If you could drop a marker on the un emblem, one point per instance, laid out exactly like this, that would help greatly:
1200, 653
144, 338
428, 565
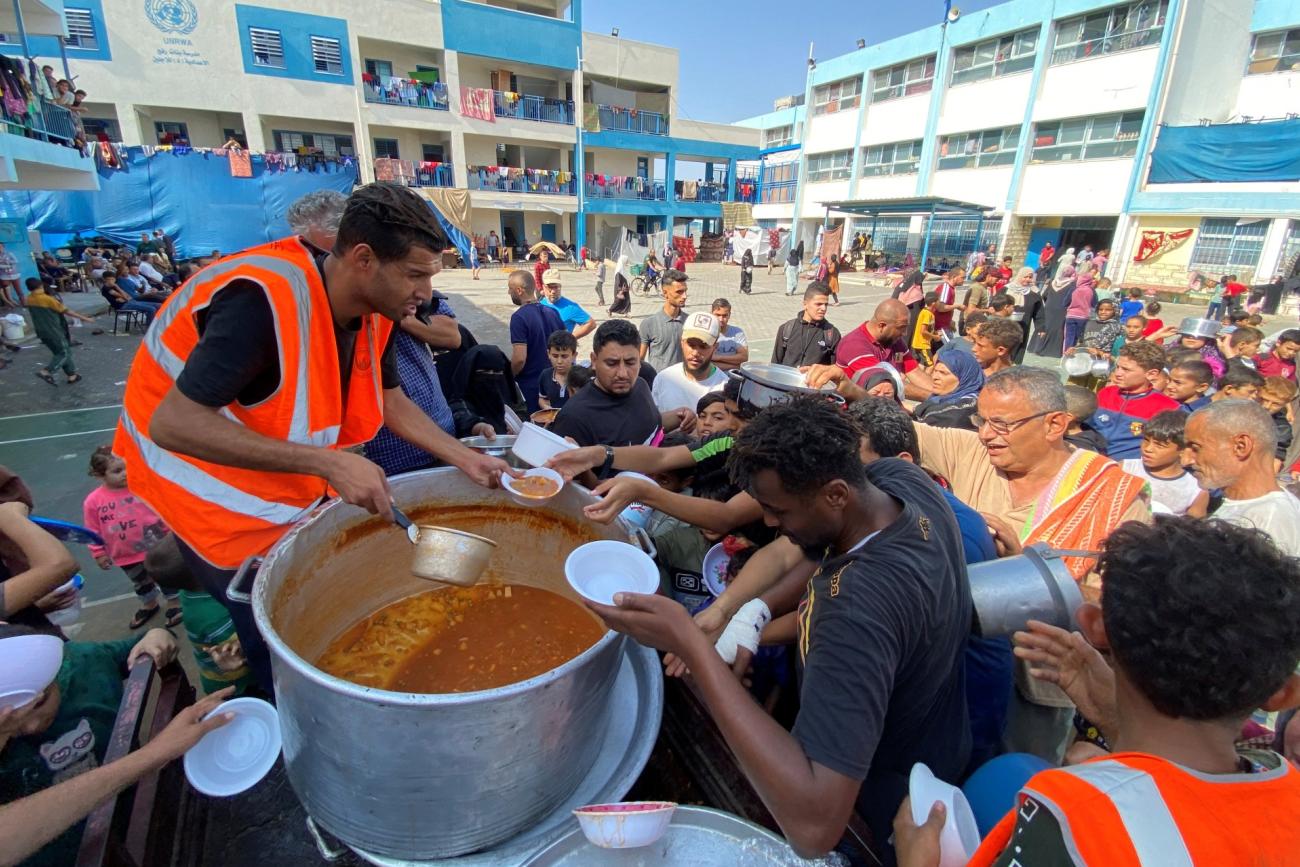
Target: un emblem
172, 16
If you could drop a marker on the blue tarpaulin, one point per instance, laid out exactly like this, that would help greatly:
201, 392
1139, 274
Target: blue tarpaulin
1230, 152
191, 196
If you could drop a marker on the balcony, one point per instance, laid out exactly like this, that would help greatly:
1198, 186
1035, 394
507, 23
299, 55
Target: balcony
414, 174
506, 179
703, 192
621, 187
390, 90
620, 119
522, 106
48, 122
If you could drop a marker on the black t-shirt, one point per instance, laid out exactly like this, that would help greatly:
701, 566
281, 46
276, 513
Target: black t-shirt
595, 417
800, 343
237, 356
555, 393
882, 631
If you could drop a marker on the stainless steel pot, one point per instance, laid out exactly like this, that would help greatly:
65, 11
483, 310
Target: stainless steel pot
763, 385
1194, 327
428, 776
497, 448
1010, 591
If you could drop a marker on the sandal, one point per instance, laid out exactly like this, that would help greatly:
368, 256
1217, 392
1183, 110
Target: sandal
143, 616
47, 376
174, 617
74, 378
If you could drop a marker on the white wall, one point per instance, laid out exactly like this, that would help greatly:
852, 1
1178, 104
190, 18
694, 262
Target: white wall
983, 186
630, 61
607, 161
484, 219
815, 194
1273, 95
719, 132
1088, 187
887, 187
204, 127
782, 212
1207, 62
1098, 85
404, 58
996, 102
831, 132
896, 120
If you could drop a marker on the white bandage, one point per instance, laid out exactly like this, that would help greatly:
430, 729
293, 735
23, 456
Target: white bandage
744, 630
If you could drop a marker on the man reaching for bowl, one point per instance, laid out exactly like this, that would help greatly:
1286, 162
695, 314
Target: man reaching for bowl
881, 630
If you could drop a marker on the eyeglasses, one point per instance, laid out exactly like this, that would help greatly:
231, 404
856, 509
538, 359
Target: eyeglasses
1002, 428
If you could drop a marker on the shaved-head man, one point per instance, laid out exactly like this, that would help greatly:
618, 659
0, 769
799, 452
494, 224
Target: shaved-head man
1229, 446
882, 339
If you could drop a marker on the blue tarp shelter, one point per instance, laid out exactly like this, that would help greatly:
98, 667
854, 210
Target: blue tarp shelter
1228, 152
190, 195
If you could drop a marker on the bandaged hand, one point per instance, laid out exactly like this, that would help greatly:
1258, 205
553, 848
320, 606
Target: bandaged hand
744, 630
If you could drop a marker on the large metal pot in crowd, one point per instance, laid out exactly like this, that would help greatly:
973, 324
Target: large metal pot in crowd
428, 776
763, 385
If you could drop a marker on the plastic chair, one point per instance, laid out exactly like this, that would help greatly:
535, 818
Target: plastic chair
992, 789
128, 319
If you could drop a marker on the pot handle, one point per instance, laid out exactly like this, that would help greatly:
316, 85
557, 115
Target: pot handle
326, 852
642, 539
233, 593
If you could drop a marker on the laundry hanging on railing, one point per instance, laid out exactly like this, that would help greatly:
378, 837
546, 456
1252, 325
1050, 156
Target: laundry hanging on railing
477, 102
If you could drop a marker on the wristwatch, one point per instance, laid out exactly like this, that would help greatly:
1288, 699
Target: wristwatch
609, 461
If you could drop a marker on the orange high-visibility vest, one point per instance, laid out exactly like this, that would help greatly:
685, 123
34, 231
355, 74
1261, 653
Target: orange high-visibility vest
1138, 810
227, 514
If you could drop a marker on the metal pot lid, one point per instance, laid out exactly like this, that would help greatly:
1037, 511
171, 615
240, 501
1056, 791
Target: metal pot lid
1195, 327
503, 441
778, 376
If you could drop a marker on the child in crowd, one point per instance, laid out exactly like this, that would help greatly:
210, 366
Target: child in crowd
47, 314
1081, 403
1134, 328
924, 338
578, 377
712, 416
129, 529
1239, 383
1132, 305
1154, 322
1243, 345
217, 651
600, 281
1210, 353
1002, 305
1189, 383
1276, 396
1174, 491
552, 386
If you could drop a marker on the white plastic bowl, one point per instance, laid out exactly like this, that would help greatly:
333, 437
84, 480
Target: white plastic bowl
28, 664
598, 570
960, 836
626, 825
508, 482
233, 758
536, 445
714, 570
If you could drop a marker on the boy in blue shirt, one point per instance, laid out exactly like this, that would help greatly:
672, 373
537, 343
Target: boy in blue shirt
576, 320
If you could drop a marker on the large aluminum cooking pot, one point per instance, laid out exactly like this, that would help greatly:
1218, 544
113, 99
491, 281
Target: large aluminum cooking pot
428, 776
763, 385
1011, 591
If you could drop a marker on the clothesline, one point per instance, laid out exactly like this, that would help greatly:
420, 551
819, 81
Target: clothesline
113, 155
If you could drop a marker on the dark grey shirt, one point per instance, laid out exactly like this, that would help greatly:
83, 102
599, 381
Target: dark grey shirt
663, 336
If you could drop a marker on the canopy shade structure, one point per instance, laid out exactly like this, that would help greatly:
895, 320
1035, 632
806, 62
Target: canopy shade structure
931, 207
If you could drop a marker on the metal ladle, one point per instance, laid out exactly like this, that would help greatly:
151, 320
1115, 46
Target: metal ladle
444, 554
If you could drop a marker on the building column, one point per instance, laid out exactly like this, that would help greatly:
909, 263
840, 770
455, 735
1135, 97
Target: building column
132, 125
459, 166
253, 132
731, 180
1270, 255
670, 179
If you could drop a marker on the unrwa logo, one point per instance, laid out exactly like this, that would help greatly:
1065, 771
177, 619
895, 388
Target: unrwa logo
172, 16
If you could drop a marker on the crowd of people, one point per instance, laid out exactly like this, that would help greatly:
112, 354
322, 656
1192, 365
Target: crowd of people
841, 650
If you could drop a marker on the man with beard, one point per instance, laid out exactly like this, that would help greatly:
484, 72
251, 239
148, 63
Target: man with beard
685, 383
881, 630
617, 409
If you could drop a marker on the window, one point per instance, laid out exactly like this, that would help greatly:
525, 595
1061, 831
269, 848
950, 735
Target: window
898, 158
833, 166
958, 237
778, 182
837, 96
431, 153
386, 147
969, 150
81, 29
380, 68
96, 125
228, 133
171, 133
890, 233
1278, 51
313, 142
267, 48
327, 54
779, 136
1228, 245
905, 79
1105, 137
1120, 28
1002, 56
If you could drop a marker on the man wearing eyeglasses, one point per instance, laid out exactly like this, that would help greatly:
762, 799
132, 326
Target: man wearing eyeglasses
1032, 486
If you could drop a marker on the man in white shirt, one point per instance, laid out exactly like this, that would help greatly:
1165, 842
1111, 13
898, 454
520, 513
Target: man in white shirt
732, 348
1230, 446
684, 383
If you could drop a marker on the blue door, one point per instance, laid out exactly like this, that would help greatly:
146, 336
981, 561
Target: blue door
548, 232
1038, 239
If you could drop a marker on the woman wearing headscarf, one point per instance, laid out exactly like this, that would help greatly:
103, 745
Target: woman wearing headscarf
1079, 308
833, 277
747, 272
1024, 292
792, 265
1049, 332
957, 382
882, 380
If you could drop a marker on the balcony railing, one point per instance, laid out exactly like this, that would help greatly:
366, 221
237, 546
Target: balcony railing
412, 174
505, 179
624, 187
522, 106
621, 119
46, 121
405, 91
700, 191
